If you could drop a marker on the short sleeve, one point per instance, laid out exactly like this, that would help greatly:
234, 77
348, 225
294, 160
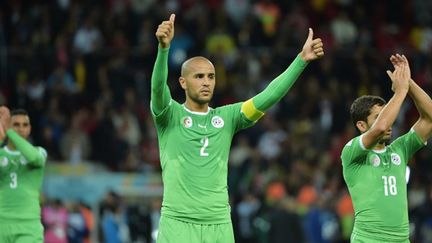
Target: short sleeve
354, 152
409, 143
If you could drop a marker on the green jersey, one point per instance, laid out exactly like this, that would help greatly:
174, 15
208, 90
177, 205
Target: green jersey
194, 149
21, 174
377, 183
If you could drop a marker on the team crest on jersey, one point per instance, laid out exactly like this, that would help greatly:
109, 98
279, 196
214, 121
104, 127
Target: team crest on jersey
395, 158
376, 160
4, 162
187, 121
23, 161
217, 121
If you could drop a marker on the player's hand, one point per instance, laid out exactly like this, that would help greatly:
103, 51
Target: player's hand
312, 48
399, 60
4, 121
165, 32
401, 76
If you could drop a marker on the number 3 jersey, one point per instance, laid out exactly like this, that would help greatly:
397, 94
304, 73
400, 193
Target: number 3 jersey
377, 184
20, 184
194, 150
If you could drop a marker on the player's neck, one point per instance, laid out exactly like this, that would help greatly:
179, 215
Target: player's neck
193, 106
379, 146
11, 146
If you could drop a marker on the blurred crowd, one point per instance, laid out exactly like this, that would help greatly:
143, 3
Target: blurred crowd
82, 69
113, 220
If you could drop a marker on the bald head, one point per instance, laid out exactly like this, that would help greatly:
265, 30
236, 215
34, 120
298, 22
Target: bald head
198, 80
193, 63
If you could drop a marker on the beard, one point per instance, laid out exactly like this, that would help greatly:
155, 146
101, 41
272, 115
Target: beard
385, 140
200, 100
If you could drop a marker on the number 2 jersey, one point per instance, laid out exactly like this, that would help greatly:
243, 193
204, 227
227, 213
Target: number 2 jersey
377, 184
20, 184
194, 150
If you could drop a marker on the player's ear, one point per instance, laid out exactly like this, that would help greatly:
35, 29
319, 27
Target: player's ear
182, 82
362, 126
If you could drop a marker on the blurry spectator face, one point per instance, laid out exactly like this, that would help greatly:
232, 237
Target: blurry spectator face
198, 79
21, 124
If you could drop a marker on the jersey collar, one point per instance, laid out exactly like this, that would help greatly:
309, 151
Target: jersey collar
380, 151
196, 112
9, 151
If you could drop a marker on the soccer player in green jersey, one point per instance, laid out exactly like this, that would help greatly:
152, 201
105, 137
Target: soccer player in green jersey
195, 140
21, 173
374, 170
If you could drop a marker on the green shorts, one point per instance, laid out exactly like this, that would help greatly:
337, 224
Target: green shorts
361, 239
175, 231
21, 233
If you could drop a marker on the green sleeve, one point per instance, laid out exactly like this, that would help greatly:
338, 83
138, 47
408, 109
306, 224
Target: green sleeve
160, 94
30, 152
354, 152
279, 86
410, 143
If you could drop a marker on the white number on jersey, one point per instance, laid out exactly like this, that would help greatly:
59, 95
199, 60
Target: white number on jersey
14, 180
205, 143
389, 185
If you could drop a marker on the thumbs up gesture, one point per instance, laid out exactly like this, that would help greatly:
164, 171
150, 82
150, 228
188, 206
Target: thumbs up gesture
312, 49
165, 32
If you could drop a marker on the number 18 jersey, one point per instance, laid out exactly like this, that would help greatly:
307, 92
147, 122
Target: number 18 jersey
377, 183
194, 150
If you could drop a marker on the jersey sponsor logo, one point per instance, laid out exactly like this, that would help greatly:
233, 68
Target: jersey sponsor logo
376, 160
217, 122
4, 162
395, 159
187, 121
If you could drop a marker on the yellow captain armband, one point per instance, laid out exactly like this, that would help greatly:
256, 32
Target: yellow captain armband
250, 111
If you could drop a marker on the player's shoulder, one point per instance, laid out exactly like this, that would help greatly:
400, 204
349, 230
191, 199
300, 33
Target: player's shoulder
229, 108
173, 108
175, 105
42, 151
349, 143
352, 143
410, 137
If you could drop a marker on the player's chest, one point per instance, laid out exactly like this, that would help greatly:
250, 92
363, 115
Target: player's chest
208, 125
12, 163
391, 163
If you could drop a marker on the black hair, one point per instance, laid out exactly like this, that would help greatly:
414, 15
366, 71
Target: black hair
15, 112
361, 107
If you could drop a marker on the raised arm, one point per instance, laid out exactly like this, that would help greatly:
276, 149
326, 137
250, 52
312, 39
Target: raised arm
35, 157
255, 107
400, 85
4, 122
160, 94
422, 101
